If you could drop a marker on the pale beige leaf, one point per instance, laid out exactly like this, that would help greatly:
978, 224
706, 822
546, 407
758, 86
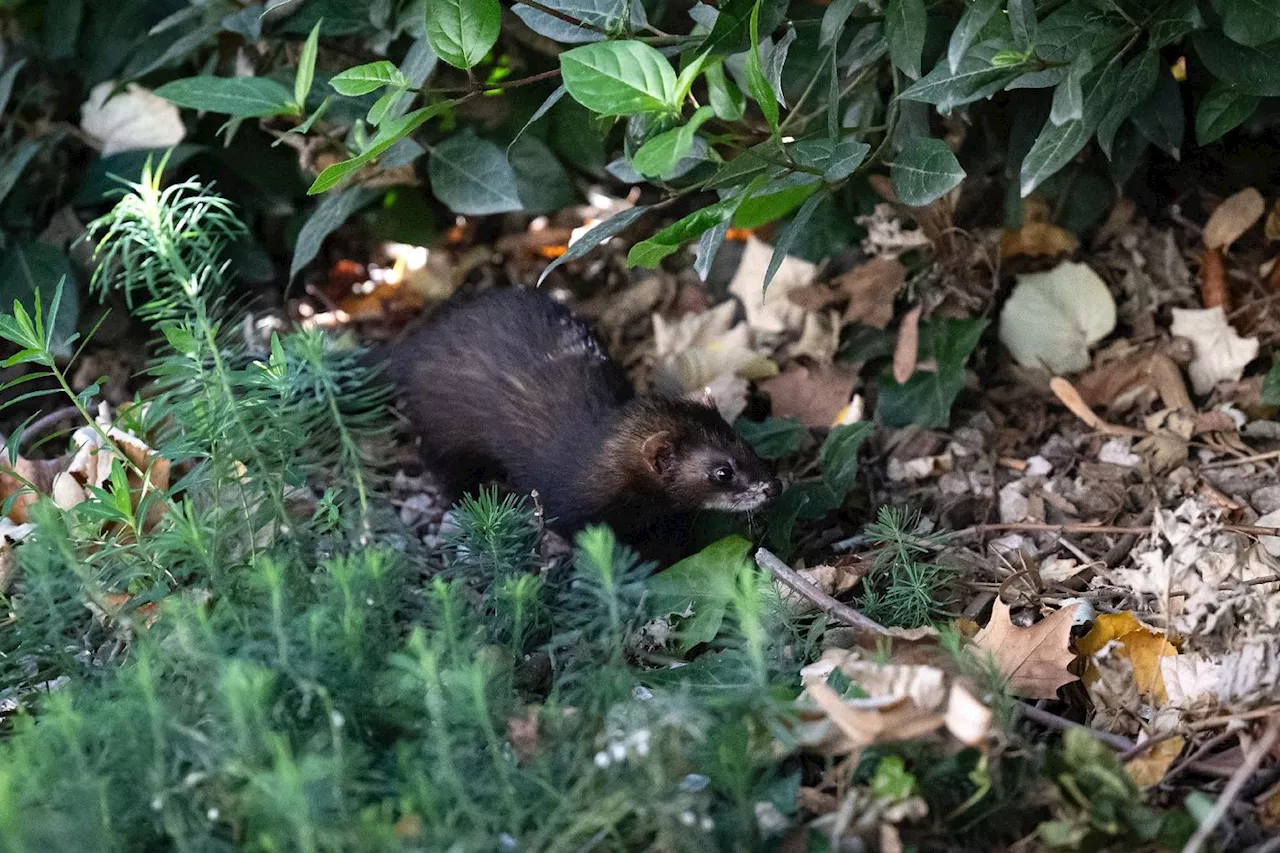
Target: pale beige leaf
1052, 317
1034, 659
1233, 217
1220, 354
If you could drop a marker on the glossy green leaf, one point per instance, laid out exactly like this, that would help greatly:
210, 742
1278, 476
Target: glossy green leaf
787, 237
306, 73
848, 155
1137, 81
838, 458
1254, 70
1161, 118
364, 79
333, 210
543, 184
927, 397
619, 78
1250, 22
726, 98
924, 171
1222, 109
611, 227
240, 97
472, 176
701, 586
905, 22
1022, 22
1056, 145
833, 21
462, 32
613, 16
388, 134
757, 83
660, 156
649, 253
1068, 97
977, 76
772, 438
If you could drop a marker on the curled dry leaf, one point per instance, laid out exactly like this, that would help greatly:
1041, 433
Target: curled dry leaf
1037, 239
872, 287
132, 120
1233, 217
817, 396
1034, 659
1148, 768
770, 311
907, 351
1220, 353
1142, 645
1213, 280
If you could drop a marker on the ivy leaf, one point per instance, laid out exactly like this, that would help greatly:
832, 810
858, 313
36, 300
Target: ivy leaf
772, 438
905, 22
240, 97
333, 210
659, 157
1250, 22
757, 83
619, 78
787, 236
461, 32
838, 458
472, 176
926, 398
966, 32
700, 586
364, 79
925, 171
1223, 108
608, 15
611, 227
306, 73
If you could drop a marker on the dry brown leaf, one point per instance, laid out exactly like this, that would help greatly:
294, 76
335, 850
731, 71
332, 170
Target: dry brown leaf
814, 395
1272, 226
1037, 239
40, 473
1233, 217
872, 287
1213, 280
1034, 659
907, 351
1120, 383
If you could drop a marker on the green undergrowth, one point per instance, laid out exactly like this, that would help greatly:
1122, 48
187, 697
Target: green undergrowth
233, 646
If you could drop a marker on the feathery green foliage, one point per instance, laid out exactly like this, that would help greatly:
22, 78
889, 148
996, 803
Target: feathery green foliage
903, 587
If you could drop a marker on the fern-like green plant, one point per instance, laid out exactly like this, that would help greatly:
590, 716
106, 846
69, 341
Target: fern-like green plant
904, 586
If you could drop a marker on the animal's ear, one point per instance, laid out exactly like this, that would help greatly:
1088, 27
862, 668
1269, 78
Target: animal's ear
657, 451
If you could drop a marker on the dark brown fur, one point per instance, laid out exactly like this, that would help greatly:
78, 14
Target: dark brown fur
511, 385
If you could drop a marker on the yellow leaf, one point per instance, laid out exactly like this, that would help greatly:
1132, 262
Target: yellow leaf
1142, 645
1034, 659
1148, 768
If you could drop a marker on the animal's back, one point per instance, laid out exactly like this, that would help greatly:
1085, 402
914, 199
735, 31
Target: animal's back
510, 383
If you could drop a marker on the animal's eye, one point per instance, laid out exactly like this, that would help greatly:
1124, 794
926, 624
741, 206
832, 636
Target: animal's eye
723, 474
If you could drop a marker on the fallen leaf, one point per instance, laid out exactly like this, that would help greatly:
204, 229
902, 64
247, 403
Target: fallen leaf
1220, 353
1148, 769
1037, 239
132, 120
1142, 645
1034, 659
769, 311
816, 396
819, 338
1233, 217
872, 287
907, 349
1051, 318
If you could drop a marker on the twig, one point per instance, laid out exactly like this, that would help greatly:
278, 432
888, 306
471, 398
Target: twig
568, 19
1226, 463
1062, 724
1035, 527
1235, 785
829, 605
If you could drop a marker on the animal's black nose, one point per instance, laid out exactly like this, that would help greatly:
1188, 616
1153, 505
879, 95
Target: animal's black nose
772, 489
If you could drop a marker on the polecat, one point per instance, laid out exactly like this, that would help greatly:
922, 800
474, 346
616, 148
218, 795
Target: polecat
510, 385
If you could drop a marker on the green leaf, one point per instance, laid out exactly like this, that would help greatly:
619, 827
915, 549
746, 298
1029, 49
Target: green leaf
833, 21
926, 398
333, 210
1068, 97
787, 236
1137, 81
543, 184
382, 106
905, 22
708, 246
31, 268
364, 79
1271, 386
306, 73
613, 16
1055, 146
658, 157
757, 83
462, 32
772, 438
976, 77
1161, 118
687, 76
611, 227
542, 110
838, 458
14, 165
1250, 22
845, 158
388, 135
241, 97
1254, 70
649, 253
1223, 108
726, 98
472, 176
1022, 21
925, 171
732, 30
966, 32
619, 78
701, 586
6, 82
782, 197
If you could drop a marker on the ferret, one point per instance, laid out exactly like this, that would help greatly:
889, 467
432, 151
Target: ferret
512, 386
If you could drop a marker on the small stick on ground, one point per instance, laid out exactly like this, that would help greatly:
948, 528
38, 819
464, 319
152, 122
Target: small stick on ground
1253, 758
829, 605
1053, 721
